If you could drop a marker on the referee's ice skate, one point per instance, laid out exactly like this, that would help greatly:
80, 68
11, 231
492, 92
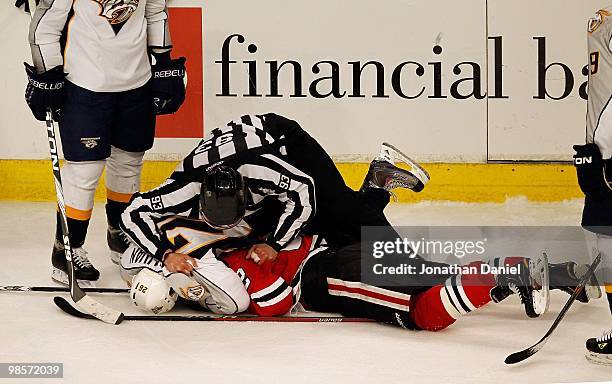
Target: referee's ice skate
383, 173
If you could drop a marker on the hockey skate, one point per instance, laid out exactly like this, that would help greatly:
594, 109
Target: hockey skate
85, 272
566, 276
383, 173
531, 284
117, 243
599, 350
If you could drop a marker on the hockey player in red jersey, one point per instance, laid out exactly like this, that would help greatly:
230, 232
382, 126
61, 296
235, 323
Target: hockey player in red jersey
329, 280
274, 287
326, 279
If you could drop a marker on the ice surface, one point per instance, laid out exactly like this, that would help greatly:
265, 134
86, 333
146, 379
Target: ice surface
32, 329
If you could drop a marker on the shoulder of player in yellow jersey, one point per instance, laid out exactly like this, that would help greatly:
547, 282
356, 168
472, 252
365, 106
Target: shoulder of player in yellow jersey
598, 19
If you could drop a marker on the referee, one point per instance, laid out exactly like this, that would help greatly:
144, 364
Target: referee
267, 168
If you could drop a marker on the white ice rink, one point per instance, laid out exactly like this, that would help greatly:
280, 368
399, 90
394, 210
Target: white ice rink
471, 351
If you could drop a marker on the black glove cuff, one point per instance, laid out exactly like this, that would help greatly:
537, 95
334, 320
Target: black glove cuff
277, 247
162, 59
52, 79
587, 154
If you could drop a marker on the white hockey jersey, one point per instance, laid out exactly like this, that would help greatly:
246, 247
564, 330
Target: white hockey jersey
106, 40
599, 110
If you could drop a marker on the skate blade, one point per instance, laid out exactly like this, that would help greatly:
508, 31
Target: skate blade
115, 257
61, 277
598, 358
418, 171
593, 292
592, 289
538, 269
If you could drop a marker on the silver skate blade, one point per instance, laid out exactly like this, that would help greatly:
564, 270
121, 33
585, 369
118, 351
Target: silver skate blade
592, 289
593, 292
416, 169
61, 277
538, 269
599, 358
115, 257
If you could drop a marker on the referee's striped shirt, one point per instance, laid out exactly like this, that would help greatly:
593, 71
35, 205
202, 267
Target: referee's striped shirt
245, 145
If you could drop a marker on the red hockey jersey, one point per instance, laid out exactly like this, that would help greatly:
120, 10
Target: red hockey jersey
273, 286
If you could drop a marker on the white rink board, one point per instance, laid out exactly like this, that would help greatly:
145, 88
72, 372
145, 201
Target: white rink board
350, 128
523, 127
311, 31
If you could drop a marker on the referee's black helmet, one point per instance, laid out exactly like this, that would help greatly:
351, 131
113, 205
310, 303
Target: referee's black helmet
222, 198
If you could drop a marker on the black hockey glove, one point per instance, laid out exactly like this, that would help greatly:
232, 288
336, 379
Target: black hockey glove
168, 84
591, 170
25, 3
45, 91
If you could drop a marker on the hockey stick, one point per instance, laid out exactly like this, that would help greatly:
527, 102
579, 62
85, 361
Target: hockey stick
526, 353
23, 288
84, 302
69, 309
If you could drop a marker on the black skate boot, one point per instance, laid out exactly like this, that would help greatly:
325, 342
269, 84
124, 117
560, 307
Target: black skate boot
531, 284
86, 273
599, 350
384, 174
566, 277
117, 243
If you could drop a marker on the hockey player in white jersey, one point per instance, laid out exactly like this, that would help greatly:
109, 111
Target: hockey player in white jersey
92, 69
593, 162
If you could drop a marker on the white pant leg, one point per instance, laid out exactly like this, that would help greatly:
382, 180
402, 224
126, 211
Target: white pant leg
603, 244
226, 292
134, 260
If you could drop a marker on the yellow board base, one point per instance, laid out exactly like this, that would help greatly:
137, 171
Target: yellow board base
32, 180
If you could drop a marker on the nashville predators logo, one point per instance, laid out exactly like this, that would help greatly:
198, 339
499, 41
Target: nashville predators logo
597, 20
602, 345
117, 12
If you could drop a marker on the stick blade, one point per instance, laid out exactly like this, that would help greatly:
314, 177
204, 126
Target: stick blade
517, 357
92, 310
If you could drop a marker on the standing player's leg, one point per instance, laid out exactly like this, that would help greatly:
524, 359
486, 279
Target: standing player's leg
132, 134
123, 171
84, 130
599, 349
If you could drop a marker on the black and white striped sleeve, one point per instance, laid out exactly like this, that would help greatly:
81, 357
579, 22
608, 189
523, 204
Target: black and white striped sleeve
171, 198
158, 31
45, 33
268, 175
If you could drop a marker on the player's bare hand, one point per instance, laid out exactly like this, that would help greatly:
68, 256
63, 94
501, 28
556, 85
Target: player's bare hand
262, 253
178, 262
